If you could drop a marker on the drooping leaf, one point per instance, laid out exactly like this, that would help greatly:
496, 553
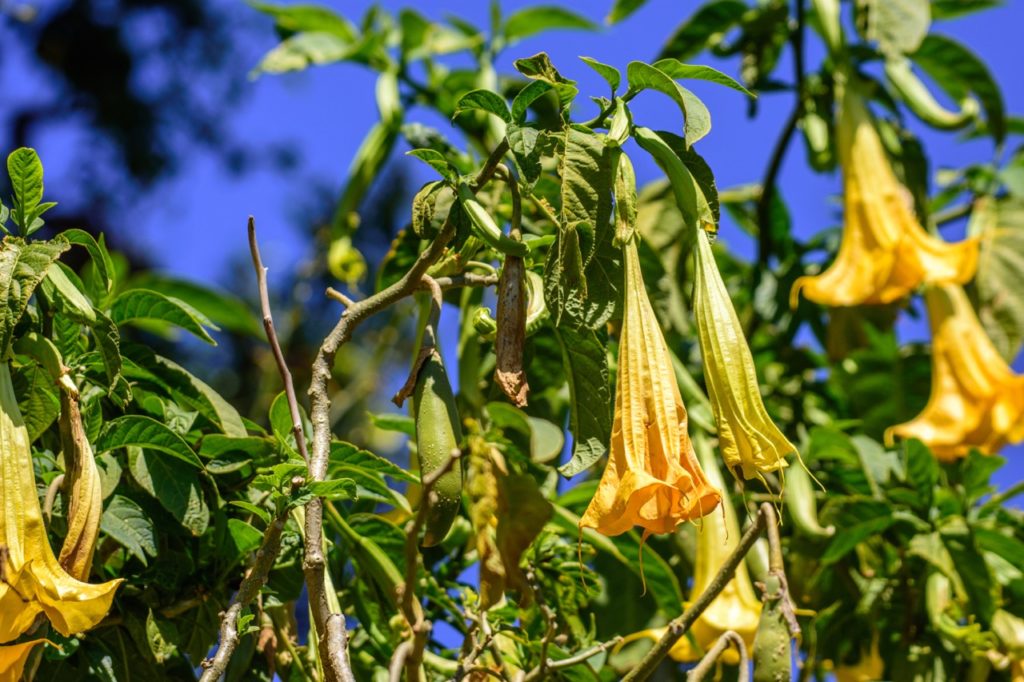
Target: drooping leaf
526, 144
305, 49
108, 342
590, 416
437, 161
483, 100
125, 521
145, 304
526, 97
62, 288
522, 512
22, 267
676, 69
220, 307
174, 485
606, 71
1000, 277
145, 432
643, 76
37, 398
539, 18
704, 29
539, 67
899, 26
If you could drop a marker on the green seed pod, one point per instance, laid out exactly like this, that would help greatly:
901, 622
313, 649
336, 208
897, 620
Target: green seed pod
915, 94
438, 433
802, 507
485, 227
773, 656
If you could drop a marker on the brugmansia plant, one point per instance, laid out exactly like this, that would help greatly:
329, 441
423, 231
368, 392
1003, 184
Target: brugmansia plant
610, 459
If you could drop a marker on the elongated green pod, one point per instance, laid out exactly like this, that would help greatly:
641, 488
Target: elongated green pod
919, 99
485, 227
801, 504
438, 433
773, 655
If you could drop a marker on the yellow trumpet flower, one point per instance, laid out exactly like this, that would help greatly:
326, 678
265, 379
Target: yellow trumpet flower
885, 253
869, 668
13, 658
736, 607
976, 401
31, 579
652, 479
750, 441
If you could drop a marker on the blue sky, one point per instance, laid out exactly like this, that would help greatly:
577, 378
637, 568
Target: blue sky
194, 225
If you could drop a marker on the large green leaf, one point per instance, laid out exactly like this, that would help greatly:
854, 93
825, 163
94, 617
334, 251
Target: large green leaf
107, 340
306, 49
63, 289
26, 173
1000, 277
194, 392
153, 306
174, 484
582, 277
705, 28
676, 69
483, 100
960, 72
899, 26
590, 403
22, 267
37, 398
125, 521
223, 309
145, 432
300, 17
643, 76
531, 20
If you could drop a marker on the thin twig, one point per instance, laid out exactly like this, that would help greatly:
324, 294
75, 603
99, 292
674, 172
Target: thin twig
270, 546
330, 627
777, 569
710, 660
679, 627
398, 661
275, 346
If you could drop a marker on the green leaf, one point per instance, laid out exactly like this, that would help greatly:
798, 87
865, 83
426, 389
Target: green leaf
299, 18
526, 145
259, 512
337, 489
350, 456
1000, 276
484, 100
977, 581
922, 471
526, 97
606, 71
243, 538
37, 399
676, 69
532, 20
26, 173
174, 485
590, 403
22, 267
145, 432
281, 422
951, 9
306, 49
395, 423
125, 521
107, 340
66, 295
899, 26
437, 161
623, 9
145, 304
539, 67
223, 309
582, 277
958, 71
858, 520
105, 272
643, 76
194, 392
704, 29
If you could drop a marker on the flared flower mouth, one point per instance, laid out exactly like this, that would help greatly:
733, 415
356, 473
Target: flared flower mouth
32, 581
736, 608
976, 400
750, 441
652, 478
885, 253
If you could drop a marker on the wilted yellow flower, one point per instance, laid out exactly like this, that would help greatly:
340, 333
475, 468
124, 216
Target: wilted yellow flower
31, 579
652, 479
885, 253
85, 505
749, 439
13, 658
736, 607
976, 401
868, 669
